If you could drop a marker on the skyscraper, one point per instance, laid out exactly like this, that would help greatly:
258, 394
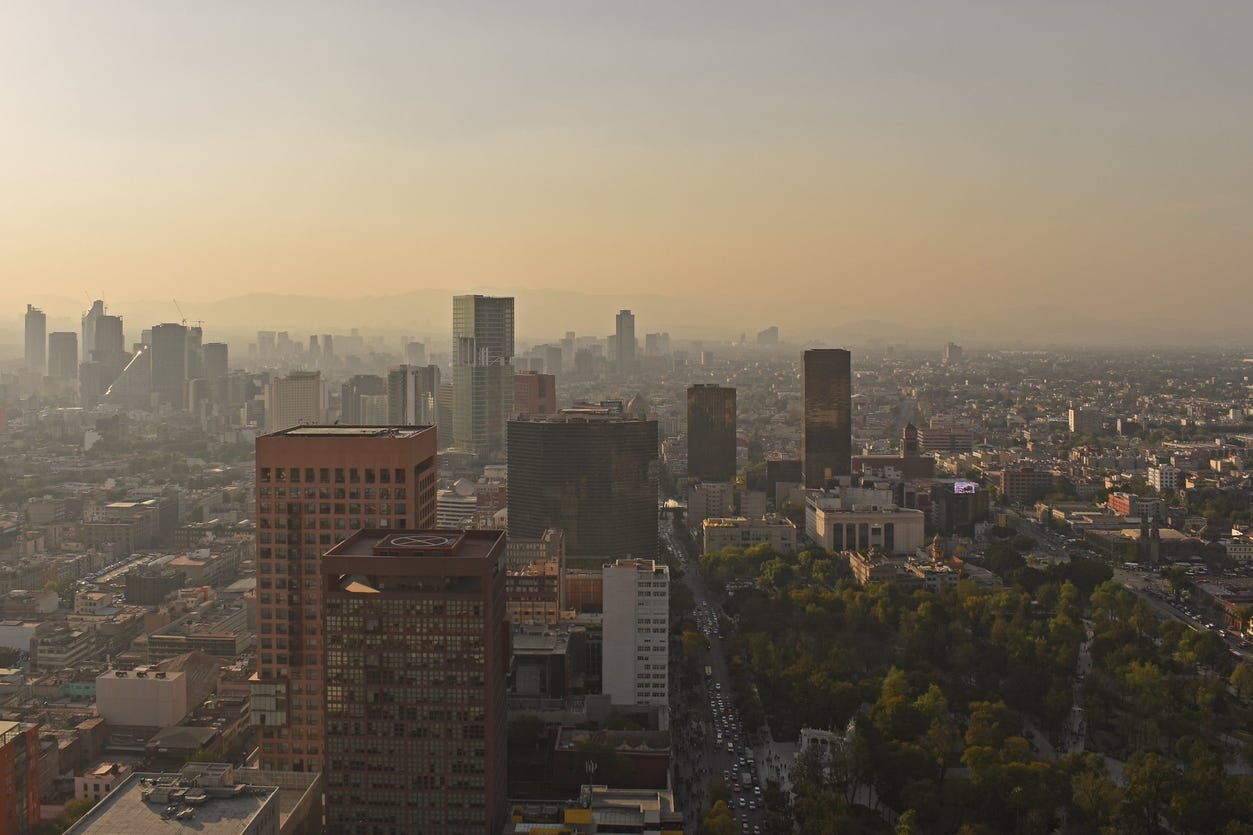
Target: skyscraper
132, 387
169, 363
591, 472
316, 485
63, 356
109, 341
353, 389
90, 318
36, 340
216, 360
624, 334
195, 352
416, 649
412, 394
827, 433
298, 398
711, 433
482, 330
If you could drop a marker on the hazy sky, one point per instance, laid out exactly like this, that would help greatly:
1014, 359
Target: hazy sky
878, 157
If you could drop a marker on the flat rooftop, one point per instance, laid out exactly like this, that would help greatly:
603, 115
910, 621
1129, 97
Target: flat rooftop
124, 810
340, 431
418, 543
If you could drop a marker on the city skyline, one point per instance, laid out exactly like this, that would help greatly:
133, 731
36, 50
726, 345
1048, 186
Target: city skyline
926, 164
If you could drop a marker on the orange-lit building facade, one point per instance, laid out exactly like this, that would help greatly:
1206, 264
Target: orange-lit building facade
534, 393
19, 778
316, 486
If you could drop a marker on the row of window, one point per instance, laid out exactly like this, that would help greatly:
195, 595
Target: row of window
353, 508
267, 538
369, 475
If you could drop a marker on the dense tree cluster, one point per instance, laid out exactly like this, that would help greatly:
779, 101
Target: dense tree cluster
961, 703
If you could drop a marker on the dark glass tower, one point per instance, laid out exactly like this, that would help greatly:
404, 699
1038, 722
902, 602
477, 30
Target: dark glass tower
590, 472
711, 433
827, 436
624, 335
416, 647
36, 340
169, 363
63, 356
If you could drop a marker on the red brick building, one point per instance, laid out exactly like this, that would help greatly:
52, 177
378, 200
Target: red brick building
19, 778
534, 393
316, 486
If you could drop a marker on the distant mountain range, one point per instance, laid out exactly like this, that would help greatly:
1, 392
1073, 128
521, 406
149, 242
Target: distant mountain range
545, 315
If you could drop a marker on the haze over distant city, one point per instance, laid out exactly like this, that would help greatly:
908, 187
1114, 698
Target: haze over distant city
1048, 172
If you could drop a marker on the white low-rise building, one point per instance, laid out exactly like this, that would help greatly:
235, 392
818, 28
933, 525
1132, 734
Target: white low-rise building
1239, 549
99, 781
838, 524
142, 697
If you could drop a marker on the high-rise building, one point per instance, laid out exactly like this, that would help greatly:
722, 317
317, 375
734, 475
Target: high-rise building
952, 353
132, 387
298, 398
416, 647
36, 340
266, 345
624, 335
63, 356
108, 339
90, 318
769, 337
443, 409
195, 353
216, 360
351, 392
827, 433
1084, 421
412, 394
534, 393
316, 485
415, 353
19, 778
482, 372
591, 472
635, 653
103, 357
909, 440
374, 410
169, 363
710, 433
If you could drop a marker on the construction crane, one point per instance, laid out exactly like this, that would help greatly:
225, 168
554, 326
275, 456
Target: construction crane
180, 312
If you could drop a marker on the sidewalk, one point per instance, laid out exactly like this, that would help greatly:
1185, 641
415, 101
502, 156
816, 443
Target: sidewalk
774, 762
